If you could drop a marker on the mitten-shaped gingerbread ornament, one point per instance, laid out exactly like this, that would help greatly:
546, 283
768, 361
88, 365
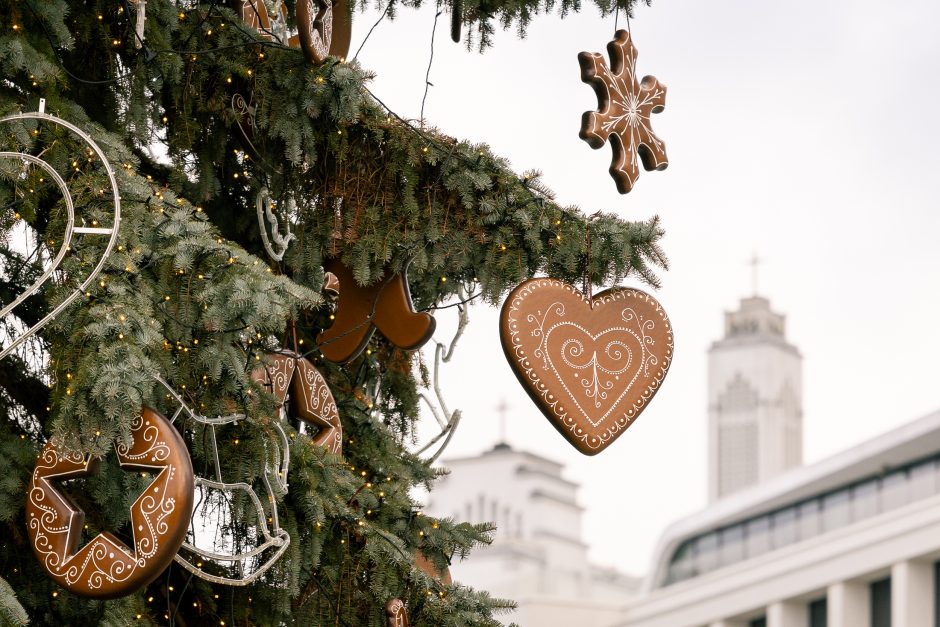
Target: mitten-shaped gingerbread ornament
385, 305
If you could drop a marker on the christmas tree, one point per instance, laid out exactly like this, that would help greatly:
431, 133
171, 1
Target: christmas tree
198, 112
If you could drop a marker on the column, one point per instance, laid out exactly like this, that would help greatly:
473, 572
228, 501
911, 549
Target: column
787, 614
848, 605
912, 595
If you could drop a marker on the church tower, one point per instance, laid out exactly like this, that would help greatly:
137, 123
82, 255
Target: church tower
755, 400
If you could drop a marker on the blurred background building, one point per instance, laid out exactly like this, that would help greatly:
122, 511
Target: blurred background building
538, 558
850, 541
755, 400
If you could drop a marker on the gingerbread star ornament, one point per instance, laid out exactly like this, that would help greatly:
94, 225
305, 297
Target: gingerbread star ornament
624, 109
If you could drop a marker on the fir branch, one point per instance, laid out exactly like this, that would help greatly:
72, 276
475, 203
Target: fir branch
12, 613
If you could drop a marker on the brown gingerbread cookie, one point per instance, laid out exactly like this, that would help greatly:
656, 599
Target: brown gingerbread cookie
106, 568
425, 565
325, 27
330, 284
385, 305
624, 108
591, 366
395, 613
310, 397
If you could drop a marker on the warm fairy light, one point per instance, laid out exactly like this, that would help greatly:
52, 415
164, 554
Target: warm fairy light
228, 80
115, 42
443, 279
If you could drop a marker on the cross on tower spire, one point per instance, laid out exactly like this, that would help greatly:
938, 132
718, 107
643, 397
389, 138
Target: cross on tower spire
754, 262
502, 409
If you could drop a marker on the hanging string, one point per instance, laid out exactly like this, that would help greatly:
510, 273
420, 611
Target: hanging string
427, 76
616, 18
588, 282
369, 34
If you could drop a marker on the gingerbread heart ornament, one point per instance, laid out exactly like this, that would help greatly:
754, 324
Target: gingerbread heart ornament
591, 366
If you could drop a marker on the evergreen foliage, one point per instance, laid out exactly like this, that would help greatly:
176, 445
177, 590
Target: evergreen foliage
189, 294
12, 613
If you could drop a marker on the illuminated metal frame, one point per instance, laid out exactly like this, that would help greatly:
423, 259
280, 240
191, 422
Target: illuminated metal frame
276, 536
70, 229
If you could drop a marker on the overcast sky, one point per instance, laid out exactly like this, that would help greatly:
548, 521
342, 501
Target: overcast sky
805, 132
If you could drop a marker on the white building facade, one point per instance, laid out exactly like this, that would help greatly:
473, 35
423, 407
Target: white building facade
851, 541
538, 557
755, 407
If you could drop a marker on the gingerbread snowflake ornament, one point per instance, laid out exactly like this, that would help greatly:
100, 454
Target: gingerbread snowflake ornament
624, 108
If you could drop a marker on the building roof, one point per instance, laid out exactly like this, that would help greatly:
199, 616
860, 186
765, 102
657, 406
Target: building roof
528, 463
878, 455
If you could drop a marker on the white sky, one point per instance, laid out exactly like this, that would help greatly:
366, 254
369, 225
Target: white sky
805, 132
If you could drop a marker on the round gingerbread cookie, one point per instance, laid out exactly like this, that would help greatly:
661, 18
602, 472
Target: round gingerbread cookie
105, 567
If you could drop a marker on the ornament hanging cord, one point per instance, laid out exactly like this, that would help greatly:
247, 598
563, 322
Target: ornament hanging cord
588, 287
617, 20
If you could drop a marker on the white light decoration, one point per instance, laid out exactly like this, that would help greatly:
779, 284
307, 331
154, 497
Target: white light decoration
249, 562
70, 230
